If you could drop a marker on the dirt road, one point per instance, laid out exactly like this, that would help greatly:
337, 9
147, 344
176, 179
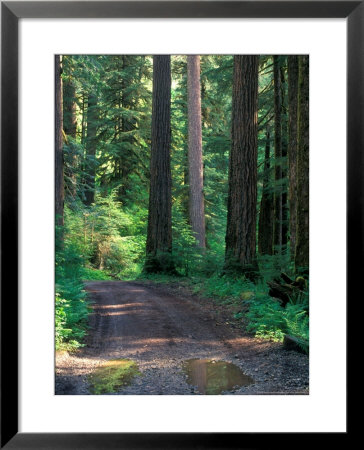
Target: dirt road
159, 328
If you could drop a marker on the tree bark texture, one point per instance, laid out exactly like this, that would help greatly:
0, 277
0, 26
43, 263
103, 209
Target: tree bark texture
91, 150
196, 197
278, 202
83, 123
69, 109
59, 179
292, 147
302, 239
159, 233
242, 195
284, 128
265, 227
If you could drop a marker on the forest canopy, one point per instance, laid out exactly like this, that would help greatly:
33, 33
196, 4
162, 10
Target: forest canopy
193, 167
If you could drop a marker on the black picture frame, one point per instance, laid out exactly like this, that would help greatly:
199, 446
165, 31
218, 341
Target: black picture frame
11, 12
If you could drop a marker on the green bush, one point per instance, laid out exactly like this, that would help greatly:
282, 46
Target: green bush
98, 242
267, 319
71, 309
107, 241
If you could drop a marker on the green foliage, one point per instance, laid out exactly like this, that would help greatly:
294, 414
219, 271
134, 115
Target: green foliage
91, 274
225, 289
113, 237
185, 254
107, 239
102, 240
71, 308
267, 319
271, 266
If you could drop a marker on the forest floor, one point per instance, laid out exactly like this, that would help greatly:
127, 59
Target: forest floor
161, 326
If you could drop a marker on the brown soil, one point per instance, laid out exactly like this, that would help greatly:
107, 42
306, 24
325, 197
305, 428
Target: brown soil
159, 327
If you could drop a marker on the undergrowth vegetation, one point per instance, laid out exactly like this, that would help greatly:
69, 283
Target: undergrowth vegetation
106, 241
99, 243
107, 134
70, 304
261, 314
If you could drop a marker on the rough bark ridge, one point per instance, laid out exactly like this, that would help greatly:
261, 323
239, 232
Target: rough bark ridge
265, 227
196, 198
159, 234
292, 146
242, 196
91, 150
302, 242
69, 109
284, 146
278, 202
59, 183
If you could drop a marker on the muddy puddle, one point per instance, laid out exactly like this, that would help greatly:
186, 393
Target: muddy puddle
213, 377
112, 376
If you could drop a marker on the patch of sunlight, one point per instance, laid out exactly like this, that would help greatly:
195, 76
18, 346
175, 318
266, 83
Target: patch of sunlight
247, 295
112, 376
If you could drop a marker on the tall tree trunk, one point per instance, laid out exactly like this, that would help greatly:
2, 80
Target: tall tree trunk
265, 226
91, 150
278, 202
292, 147
59, 181
83, 142
196, 198
83, 123
70, 129
204, 113
69, 109
242, 197
302, 238
284, 121
159, 233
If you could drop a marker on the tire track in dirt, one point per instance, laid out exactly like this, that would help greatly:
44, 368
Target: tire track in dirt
159, 329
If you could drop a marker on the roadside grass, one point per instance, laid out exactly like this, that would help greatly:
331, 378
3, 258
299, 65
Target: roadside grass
91, 274
256, 311
72, 307
260, 314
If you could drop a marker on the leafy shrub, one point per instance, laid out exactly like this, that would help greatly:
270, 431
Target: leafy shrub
269, 320
186, 255
271, 266
98, 241
71, 308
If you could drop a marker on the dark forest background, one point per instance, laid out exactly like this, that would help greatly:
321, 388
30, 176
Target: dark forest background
184, 168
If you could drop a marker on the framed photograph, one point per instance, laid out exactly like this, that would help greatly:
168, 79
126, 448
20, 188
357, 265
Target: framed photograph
162, 166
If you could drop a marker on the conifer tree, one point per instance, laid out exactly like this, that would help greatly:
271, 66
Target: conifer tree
265, 227
292, 147
159, 233
278, 200
70, 126
59, 181
196, 199
284, 147
242, 199
91, 143
302, 240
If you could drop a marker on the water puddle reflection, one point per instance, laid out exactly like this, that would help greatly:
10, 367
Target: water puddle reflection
213, 377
